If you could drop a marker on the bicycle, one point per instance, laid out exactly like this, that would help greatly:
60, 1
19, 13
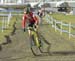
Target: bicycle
35, 41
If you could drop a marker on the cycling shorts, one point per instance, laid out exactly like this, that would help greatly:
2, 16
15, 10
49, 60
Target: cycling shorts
31, 24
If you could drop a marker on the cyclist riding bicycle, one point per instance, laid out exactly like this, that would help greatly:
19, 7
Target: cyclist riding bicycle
30, 19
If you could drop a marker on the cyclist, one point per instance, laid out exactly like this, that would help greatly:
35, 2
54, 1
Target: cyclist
40, 12
30, 19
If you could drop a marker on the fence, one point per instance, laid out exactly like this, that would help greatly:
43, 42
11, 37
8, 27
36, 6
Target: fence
4, 21
61, 26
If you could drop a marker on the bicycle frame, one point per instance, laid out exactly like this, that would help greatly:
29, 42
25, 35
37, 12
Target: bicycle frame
36, 42
35, 36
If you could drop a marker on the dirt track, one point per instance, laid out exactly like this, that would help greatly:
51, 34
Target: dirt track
19, 48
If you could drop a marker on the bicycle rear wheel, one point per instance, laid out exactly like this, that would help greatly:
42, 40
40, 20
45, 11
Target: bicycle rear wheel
44, 45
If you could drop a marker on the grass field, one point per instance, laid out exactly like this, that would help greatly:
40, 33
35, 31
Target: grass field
64, 18
65, 35
8, 30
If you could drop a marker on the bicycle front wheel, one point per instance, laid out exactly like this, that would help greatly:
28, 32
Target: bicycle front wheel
34, 46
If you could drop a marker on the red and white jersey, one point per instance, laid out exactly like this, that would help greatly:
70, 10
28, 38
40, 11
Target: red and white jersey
31, 18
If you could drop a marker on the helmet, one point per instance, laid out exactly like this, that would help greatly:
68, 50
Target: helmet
28, 10
28, 5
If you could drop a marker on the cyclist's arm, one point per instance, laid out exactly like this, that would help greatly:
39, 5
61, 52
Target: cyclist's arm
36, 20
24, 21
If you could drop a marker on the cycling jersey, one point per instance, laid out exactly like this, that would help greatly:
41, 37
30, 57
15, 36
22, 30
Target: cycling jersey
31, 18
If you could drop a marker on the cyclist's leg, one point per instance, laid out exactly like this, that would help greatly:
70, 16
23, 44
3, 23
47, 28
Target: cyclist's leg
29, 31
35, 36
38, 42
